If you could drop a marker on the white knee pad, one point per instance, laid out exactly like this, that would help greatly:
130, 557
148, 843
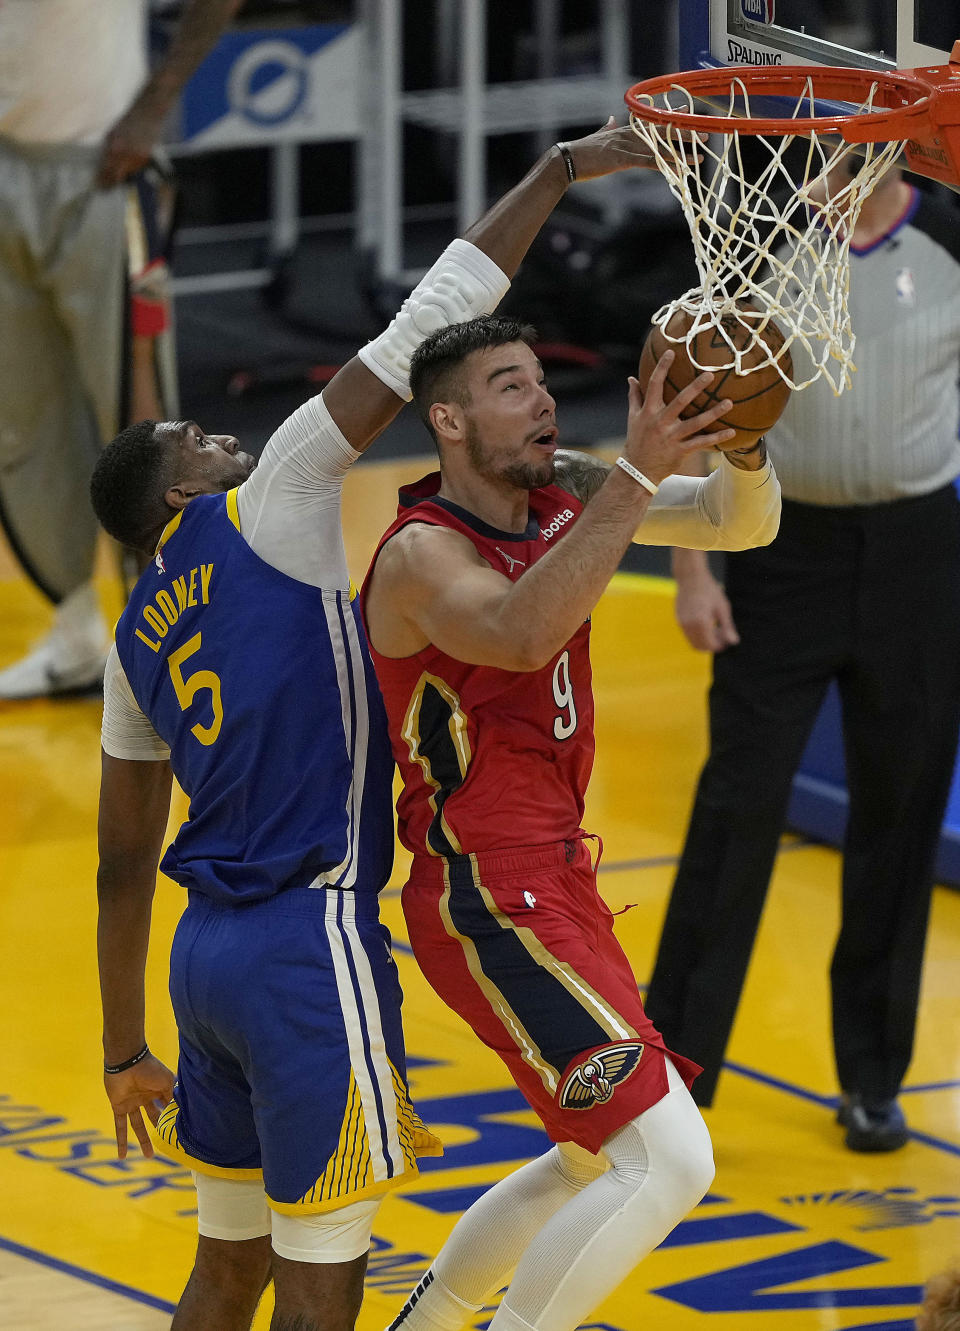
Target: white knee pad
331, 1236
463, 283
230, 1209
672, 1136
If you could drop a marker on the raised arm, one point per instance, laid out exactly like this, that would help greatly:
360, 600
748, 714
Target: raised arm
469, 279
133, 138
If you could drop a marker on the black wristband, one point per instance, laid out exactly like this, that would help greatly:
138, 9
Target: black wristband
130, 1062
568, 161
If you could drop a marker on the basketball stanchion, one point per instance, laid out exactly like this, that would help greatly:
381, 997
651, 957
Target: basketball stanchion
771, 237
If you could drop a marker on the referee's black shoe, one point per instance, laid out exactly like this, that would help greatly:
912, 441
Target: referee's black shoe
872, 1125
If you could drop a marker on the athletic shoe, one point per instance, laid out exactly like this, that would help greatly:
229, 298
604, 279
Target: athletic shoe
48, 672
70, 659
872, 1125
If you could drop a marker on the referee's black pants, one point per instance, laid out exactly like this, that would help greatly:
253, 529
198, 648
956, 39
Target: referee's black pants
868, 596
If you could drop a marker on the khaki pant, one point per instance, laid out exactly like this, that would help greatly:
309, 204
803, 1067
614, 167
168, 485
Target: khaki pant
62, 320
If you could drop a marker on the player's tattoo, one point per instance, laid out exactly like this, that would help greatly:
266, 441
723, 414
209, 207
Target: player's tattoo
578, 473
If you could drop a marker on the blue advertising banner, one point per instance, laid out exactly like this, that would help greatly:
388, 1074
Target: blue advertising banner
265, 85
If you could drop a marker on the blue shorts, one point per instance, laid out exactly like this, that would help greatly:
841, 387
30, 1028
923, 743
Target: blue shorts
291, 1049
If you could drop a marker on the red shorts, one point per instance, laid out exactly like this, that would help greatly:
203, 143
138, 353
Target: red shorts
521, 945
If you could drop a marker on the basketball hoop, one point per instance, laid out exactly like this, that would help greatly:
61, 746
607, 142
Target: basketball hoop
771, 223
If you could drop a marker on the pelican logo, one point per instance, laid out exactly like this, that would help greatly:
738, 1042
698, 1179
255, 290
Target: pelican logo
757, 11
594, 1081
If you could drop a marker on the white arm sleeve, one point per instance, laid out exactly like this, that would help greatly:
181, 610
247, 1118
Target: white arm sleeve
290, 505
730, 509
463, 283
126, 732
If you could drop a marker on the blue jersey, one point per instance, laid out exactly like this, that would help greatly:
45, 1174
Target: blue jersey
263, 689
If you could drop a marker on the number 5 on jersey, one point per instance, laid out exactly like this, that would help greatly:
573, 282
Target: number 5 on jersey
187, 689
566, 723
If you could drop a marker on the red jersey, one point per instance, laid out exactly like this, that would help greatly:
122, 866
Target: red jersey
490, 758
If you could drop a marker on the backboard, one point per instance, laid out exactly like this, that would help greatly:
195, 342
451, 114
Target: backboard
881, 34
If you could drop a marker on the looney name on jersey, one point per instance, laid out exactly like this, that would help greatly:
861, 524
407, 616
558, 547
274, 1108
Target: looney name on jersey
561, 520
168, 604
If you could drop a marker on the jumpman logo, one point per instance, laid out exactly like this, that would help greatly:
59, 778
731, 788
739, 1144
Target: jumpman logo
509, 560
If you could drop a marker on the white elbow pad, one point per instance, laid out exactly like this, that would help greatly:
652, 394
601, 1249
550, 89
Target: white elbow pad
463, 283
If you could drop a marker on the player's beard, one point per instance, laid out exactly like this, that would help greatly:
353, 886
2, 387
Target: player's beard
494, 466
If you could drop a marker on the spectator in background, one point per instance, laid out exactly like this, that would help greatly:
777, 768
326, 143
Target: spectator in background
861, 586
79, 118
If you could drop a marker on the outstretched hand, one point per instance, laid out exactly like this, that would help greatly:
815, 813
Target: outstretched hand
147, 1086
612, 148
658, 436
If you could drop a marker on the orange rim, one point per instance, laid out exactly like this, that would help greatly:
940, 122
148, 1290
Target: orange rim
905, 101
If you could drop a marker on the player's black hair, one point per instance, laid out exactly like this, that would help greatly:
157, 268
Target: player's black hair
128, 485
436, 365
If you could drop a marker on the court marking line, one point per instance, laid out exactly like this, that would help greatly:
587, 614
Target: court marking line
740, 1069
831, 1102
792, 841
790, 1088
800, 1092
776, 1083
659, 861
91, 1277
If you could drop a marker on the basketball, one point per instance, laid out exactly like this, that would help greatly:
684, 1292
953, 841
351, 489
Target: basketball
758, 393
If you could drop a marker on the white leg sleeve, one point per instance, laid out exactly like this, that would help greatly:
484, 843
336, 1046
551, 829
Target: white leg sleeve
340, 1235
483, 1248
661, 1166
234, 1210
231, 1209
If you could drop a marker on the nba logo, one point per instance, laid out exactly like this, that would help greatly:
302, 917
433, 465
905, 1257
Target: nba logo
757, 11
906, 289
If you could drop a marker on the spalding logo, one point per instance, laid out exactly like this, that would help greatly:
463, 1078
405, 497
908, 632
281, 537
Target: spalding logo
559, 521
594, 1081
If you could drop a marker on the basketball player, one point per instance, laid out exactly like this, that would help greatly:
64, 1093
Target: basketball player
82, 298
477, 608
240, 668
862, 586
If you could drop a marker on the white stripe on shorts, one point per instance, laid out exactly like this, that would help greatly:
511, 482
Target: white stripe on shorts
348, 656
362, 1013
375, 1036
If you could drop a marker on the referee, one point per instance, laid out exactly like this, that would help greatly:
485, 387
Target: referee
861, 586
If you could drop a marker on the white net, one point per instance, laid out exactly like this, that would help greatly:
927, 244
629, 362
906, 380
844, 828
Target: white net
771, 218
